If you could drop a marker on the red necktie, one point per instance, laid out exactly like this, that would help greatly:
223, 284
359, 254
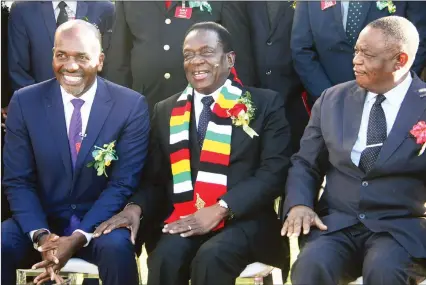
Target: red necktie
168, 3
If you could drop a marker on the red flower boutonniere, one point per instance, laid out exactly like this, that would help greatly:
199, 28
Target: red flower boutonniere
419, 132
242, 113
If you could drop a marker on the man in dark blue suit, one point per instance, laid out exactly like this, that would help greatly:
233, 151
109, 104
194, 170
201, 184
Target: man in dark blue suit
371, 219
53, 131
324, 34
32, 26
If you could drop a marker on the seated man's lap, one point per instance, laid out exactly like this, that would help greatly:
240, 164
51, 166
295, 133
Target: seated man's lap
386, 258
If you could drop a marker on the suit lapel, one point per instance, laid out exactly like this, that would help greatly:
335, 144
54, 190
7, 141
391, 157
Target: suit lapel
352, 114
280, 15
55, 112
81, 10
412, 108
100, 110
49, 19
338, 17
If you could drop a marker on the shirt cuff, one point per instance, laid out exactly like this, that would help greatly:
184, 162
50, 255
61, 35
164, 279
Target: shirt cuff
88, 236
33, 232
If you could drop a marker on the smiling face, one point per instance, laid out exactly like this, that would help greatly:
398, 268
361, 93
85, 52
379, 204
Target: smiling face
375, 62
206, 64
77, 58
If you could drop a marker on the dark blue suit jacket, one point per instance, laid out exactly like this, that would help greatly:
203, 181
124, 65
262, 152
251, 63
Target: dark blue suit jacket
321, 53
32, 27
42, 187
391, 197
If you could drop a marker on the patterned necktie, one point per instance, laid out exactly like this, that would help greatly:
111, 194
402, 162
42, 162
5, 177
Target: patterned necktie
72, 226
63, 15
376, 135
75, 131
353, 23
168, 3
204, 119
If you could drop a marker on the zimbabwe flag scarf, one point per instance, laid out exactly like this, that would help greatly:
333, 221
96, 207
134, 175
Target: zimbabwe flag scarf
211, 181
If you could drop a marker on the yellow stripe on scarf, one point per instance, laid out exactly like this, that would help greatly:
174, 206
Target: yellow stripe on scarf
181, 166
179, 120
218, 147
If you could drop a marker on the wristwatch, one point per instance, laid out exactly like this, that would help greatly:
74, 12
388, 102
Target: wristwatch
223, 204
38, 238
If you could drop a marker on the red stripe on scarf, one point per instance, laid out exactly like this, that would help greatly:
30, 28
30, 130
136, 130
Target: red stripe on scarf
179, 155
179, 111
216, 158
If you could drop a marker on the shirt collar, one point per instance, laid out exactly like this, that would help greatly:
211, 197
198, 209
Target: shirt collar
396, 95
198, 96
71, 4
88, 96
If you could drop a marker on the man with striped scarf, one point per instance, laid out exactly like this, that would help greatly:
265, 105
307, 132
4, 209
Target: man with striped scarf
219, 156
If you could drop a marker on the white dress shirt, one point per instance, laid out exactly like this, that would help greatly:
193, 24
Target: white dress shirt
391, 108
198, 105
88, 98
345, 8
71, 9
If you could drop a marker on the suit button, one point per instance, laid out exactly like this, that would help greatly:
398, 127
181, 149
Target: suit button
268, 72
166, 47
361, 216
364, 183
73, 206
269, 43
167, 75
168, 21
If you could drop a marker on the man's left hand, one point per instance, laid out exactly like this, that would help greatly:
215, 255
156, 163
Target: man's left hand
65, 248
199, 223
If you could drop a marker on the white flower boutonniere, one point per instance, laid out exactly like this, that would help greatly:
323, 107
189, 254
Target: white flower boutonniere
202, 5
103, 158
242, 113
386, 4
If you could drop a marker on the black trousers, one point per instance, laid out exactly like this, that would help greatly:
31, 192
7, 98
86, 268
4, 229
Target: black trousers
212, 259
343, 256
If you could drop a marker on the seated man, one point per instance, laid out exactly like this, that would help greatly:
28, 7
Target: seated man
219, 154
54, 130
371, 218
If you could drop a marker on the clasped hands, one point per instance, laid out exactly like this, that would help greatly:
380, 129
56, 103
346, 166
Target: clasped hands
301, 218
55, 252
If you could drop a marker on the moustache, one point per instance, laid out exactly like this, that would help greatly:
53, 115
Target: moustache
80, 73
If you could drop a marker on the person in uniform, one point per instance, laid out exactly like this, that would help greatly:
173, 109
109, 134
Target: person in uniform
146, 45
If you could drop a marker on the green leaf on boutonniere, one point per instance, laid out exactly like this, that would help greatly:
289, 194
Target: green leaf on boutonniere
103, 158
201, 4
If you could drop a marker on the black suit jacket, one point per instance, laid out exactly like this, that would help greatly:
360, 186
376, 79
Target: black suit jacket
257, 171
391, 197
137, 58
274, 63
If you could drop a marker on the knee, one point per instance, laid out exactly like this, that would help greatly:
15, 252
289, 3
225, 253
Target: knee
317, 266
210, 255
378, 268
116, 242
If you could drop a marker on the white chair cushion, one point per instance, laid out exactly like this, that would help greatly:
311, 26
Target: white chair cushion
77, 265
256, 269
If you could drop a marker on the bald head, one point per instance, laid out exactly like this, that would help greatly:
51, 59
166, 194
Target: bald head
399, 33
82, 29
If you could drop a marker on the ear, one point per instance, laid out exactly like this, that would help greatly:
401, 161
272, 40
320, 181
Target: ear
402, 60
230, 59
101, 61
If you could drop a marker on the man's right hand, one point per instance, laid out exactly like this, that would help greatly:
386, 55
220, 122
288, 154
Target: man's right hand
301, 217
128, 218
48, 259
3, 117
